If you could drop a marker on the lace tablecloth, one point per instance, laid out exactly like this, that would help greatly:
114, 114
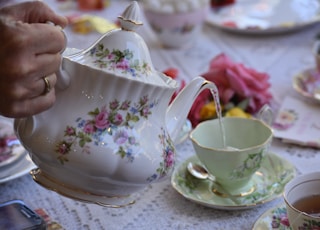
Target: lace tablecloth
159, 206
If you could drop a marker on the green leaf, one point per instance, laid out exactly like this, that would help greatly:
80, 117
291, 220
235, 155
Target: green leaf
244, 104
94, 112
134, 118
82, 143
121, 152
228, 106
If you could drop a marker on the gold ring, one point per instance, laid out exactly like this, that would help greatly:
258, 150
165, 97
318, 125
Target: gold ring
47, 85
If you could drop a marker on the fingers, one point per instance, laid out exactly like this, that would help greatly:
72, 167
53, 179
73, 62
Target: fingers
24, 102
46, 14
34, 12
31, 53
28, 107
44, 85
51, 39
49, 83
30, 89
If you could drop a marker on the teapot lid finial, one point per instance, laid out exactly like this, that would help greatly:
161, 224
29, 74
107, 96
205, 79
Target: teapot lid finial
130, 18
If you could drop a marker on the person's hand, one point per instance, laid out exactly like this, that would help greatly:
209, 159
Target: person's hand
30, 54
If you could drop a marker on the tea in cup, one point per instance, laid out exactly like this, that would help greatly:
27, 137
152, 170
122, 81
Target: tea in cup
302, 199
234, 158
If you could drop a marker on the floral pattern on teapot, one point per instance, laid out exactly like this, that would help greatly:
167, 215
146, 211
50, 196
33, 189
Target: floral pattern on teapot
168, 154
113, 126
119, 60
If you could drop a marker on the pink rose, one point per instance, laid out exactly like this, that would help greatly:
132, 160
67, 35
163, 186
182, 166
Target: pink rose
101, 120
285, 221
63, 148
118, 119
169, 161
70, 131
235, 82
123, 64
88, 128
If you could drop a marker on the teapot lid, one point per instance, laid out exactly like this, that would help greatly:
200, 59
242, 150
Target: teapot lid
123, 52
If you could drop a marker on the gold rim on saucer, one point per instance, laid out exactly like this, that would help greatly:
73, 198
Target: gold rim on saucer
225, 195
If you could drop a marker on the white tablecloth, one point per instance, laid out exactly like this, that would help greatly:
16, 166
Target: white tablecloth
159, 206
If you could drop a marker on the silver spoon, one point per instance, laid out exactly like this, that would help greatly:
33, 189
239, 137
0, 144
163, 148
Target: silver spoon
198, 171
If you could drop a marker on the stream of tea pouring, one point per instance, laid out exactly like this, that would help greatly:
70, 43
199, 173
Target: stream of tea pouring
216, 99
215, 94
265, 114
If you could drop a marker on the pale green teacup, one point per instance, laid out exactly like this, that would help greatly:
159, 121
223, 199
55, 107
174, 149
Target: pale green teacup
247, 141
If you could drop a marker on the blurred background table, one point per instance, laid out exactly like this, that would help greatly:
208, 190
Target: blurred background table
159, 206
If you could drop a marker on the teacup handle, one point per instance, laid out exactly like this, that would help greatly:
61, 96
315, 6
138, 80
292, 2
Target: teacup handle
265, 114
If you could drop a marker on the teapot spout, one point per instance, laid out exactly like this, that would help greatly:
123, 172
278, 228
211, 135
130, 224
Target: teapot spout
178, 110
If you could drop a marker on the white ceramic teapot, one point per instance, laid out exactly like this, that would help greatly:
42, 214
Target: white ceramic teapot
111, 131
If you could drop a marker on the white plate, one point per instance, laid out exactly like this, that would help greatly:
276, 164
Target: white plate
17, 170
307, 84
265, 16
270, 180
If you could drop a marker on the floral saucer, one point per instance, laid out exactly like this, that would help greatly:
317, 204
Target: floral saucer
270, 180
10, 148
307, 84
273, 219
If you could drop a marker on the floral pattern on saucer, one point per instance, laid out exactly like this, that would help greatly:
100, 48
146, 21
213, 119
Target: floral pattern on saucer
280, 218
307, 84
276, 219
6, 147
273, 219
270, 180
10, 147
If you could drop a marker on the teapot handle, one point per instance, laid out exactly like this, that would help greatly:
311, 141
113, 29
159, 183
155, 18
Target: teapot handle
63, 78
